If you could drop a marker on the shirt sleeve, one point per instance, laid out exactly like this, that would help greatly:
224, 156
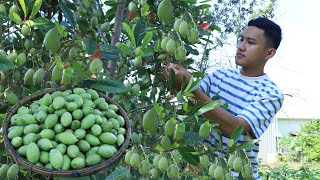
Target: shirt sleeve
208, 82
259, 113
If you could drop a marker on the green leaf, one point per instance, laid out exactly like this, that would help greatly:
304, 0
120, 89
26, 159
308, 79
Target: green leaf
91, 46
109, 48
15, 17
111, 86
129, 33
146, 40
139, 31
191, 1
58, 61
209, 106
36, 8
124, 49
79, 69
67, 13
145, 10
60, 28
215, 27
118, 174
5, 64
247, 144
24, 7
195, 85
109, 56
189, 85
192, 138
189, 157
41, 23
237, 133
191, 50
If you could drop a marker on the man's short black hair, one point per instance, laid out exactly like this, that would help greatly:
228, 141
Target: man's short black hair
272, 31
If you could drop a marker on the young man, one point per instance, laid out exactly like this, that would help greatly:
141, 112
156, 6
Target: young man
253, 99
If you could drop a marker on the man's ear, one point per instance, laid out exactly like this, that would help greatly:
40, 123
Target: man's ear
270, 53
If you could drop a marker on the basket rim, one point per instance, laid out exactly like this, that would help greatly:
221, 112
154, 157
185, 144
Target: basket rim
63, 173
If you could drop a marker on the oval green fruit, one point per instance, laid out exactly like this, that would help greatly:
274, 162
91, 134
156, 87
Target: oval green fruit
73, 53
105, 27
13, 9
28, 77
169, 127
128, 156
204, 161
25, 30
150, 121
171, 46
211, 169
4, 10
13, 172
78, 163
33, 153
164, 42
3, 170
56, 73
184, 28
163, 164
96, 66
38, 76
135, 160
93, 159
165, 11
21, 59
132, 7
237, 164
230, 160
137, 62
218, 173
55, 158
204, 130
94, 21
52, 40
135, 89
177, 24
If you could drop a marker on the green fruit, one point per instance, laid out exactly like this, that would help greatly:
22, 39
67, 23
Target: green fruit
193, 36
58, 103
212, 169
171, 46
247, 171
56, 73
150, 121
132, 7
66, 76
73, 53
228, 176
164, 42
105, 27
44, 157
22, 150
96, 66
135, 160
163, 164
177, 25
47, 133
230, 160
137, 62
135, 138
179, 132
44, 144
28, 77
80, 133
169, 127
105, 151
38, 76
128, 156
11, 97
135, 90
184, 28
55, 158
62, 148
27, 44
237, 164
93, 159
12, 56
5, 167
204, 161
66, 163
21, 59
13, 9
181, 54
67, 138
218, 173
154, 173
94, 21
51, 121
52, 40
16, 142
4, 10
204, 130
83, 145
25, 30
108, 138
88, 121
165, 11
12, 172
33, 153
96, 129
172, 171
166, 143
73, 151
93, 93
78, 163
15, 131
144, 167
162, 57
120, 139
92, 140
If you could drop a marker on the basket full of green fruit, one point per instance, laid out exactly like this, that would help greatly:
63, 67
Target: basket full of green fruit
66, 132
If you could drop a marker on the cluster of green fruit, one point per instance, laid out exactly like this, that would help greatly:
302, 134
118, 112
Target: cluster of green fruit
161, 164
9, 172
186, 29
69, 129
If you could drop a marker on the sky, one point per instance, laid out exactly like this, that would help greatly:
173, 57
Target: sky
295, 68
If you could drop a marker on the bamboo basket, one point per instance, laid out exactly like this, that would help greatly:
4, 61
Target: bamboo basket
103, 166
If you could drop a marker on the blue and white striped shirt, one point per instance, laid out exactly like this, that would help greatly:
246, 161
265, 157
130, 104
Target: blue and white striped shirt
256, 99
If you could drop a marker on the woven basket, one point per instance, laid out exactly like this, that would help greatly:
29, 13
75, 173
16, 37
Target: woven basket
62, 173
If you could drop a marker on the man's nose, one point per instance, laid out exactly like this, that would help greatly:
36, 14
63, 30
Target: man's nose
241, 46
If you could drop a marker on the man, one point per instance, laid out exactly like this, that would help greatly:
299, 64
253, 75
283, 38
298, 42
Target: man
253, 99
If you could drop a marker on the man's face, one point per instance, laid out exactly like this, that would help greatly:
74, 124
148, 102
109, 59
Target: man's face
251, 51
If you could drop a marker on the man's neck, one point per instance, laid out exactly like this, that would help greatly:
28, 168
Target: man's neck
256, 72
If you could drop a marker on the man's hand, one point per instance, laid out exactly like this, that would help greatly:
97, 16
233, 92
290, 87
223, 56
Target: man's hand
179, 73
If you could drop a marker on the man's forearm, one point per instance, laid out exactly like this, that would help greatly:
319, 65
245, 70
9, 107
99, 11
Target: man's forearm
227, 121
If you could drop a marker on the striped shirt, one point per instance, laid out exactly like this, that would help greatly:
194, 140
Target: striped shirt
256, 99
